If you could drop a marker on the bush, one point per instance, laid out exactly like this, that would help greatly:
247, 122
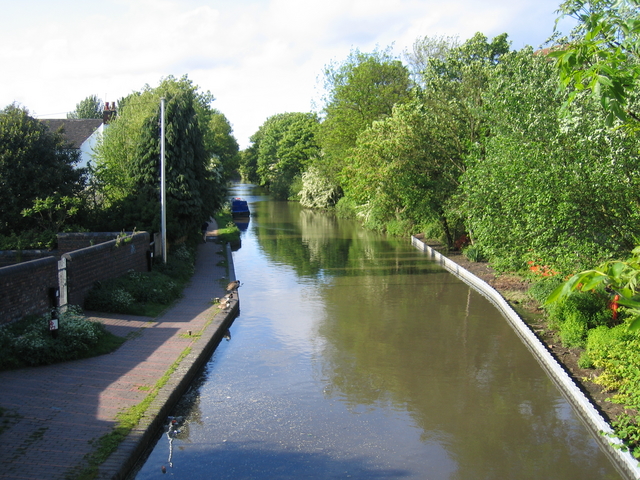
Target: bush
573, 330
603, 341
589, 308
473, 253
316, 190
541, 289
29, 342
585, 360
139, 293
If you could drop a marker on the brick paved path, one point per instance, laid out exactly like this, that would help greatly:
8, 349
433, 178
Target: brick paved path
53, 412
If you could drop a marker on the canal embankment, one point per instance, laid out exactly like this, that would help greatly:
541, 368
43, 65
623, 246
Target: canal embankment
182, 372
587, 411
60, 419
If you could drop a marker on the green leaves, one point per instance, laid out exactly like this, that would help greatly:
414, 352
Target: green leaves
362, 89
282, 148
34, 163
127, 172
603, 58
620, 278
90, 107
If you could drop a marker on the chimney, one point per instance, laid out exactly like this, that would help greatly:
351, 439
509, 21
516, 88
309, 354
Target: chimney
109, 112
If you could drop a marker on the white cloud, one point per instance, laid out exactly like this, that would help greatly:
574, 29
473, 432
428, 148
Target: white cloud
258, 57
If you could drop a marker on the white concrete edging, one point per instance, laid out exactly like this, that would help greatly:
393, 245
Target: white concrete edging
623, 460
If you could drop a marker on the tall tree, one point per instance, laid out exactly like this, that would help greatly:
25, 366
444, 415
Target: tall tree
425, 50
562, 192
34, 163
362, 89
128, 163
219, 140
90, 107
285, 145
406, 168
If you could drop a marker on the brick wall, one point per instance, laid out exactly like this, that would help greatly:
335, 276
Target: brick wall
24, 288
69, 242
106, 260
11, 257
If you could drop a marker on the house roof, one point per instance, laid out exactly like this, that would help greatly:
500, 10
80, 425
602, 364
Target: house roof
76, 131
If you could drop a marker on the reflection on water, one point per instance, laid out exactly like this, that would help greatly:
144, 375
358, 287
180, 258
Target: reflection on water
354, 356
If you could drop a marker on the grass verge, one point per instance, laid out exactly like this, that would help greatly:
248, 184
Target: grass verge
127, 420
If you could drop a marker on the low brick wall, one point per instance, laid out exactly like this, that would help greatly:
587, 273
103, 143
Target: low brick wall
100, 262
24, 288
69, 242
11, 257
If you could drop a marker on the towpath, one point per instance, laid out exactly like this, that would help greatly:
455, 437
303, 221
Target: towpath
53, 415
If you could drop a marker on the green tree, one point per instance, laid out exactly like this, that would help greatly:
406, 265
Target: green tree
425, 50
128, 160
90, 107
602, 57
34, 163
222, 144
284, 146
362, 89
405, 170
249, 162
557, 192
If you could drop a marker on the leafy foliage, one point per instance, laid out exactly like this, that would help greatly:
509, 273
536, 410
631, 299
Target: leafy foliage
219, 140
525, 191
52, 213
362, 89
426, 50
282, 148
619, 278
90, 107
34, 163
128, 160
404, 172
29, 341
317, 190
603, 56
617, 352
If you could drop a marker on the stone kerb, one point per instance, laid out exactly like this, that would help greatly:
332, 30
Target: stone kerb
586, 410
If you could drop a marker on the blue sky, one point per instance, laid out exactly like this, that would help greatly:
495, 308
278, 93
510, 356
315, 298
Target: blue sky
257, 57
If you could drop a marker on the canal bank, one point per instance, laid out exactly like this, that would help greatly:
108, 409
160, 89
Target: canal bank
54, 416
624, 461
186, 365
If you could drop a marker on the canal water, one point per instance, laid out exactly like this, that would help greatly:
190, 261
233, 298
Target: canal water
354, 356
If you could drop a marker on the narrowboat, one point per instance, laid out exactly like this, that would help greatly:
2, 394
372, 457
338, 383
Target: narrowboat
239, 208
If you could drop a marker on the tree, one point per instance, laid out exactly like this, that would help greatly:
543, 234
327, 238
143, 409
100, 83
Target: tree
285, 145
405, 170
602, 58
362, 89
128, 160
34, 163
558, 192
221, 143
428, 49
90, 107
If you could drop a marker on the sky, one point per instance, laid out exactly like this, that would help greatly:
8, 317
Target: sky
257, 57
